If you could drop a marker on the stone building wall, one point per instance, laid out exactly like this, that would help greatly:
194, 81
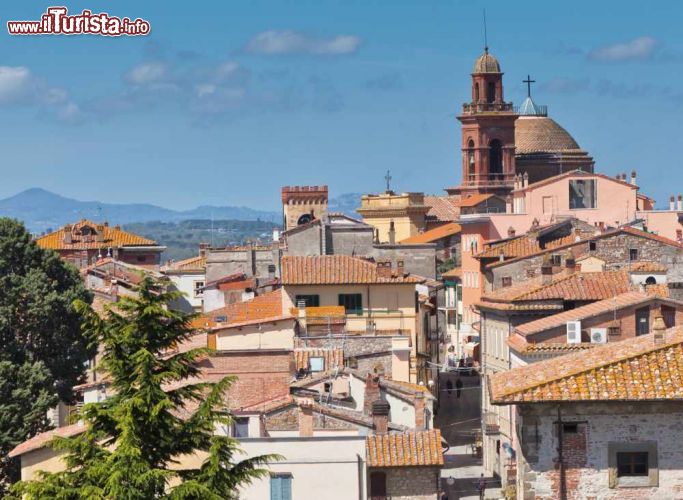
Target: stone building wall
614, 250
411, 483
599, 430
368, 351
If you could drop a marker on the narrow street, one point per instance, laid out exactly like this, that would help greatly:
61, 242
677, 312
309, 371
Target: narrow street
460, 420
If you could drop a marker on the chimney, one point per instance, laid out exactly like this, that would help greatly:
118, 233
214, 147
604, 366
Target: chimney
525, 180
633, 177
372, 393
380, 416
672, 203
202, 249
106, 224
546, 269
508, 204
99, 237
570, 261
679, 204
392, 233
511, 232
305, 419
384, 269
419, 411
400, 268
659, 329
68, 238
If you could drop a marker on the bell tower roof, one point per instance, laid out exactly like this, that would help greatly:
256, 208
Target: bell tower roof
486, 63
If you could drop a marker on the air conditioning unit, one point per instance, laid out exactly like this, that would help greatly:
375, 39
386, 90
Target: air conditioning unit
598, 335
573, 332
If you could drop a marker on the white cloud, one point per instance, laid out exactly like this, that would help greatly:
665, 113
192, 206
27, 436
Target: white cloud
278, 42
639, 48
146, 73
16, 84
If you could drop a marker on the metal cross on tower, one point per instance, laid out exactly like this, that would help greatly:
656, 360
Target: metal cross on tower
388, 179
528, 82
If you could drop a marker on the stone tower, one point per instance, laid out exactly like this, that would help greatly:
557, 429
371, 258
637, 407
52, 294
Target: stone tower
302, 204
488, 134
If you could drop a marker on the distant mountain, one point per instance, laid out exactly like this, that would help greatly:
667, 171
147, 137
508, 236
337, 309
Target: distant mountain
41, 210
346, 204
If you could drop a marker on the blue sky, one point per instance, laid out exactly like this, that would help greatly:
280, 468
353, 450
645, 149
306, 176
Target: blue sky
225, 103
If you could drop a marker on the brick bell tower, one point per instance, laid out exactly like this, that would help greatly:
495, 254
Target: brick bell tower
488, 134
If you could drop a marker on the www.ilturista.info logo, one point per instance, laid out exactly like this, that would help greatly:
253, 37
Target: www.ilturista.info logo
56, 21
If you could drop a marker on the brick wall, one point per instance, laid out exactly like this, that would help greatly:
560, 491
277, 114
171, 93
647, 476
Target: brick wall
585, 453
260, 375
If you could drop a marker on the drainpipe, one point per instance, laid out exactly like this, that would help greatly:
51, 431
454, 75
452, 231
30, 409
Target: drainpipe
563, 486
361, 474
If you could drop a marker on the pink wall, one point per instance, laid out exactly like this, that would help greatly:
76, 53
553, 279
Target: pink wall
663, 222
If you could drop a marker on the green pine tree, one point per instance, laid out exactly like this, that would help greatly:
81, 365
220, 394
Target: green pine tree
42, 347
132, 440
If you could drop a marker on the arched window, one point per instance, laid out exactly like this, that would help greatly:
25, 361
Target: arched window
476, 92
495, 158
304, 219
470, 157
491, 92
651, 280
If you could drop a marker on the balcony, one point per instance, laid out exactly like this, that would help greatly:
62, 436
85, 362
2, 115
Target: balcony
333, 321
472, 108
490, 180
490, 423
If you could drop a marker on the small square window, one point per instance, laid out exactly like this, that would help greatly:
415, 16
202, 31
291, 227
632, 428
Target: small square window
556, 260
570, 428
198, 288
271, 268
507, 281
592, 246
633, 254
632, 464
240, 427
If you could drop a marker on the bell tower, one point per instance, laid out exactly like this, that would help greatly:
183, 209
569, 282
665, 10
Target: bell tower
488, 134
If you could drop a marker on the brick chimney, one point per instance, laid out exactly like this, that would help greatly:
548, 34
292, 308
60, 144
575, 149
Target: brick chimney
99, 237
570, 261
659, 329
380, 416
372, 393
384, 269
68, 237
400, 268
305, 419
546, 269
392, 233
420, 411
203, 247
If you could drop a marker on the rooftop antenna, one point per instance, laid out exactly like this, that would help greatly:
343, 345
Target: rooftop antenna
388, 179
486, 42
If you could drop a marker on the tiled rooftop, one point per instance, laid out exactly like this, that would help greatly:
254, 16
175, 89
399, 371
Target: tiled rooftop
442, 208
113, 237
639, 369
576, 286
334, 270
41, 440
333, 358
405, 449
521, 246
648, 267
197, 263
262, 308
434, 234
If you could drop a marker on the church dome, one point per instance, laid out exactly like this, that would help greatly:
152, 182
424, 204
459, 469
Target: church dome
540, 134
486, 63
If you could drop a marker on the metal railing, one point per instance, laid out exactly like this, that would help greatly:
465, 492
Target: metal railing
484, 107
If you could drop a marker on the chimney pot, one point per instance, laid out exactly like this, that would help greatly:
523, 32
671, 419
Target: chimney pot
305, 419
672, 203
511, 232
400, 268
679, 205
380, 416
633, 177
659, 329
372, 393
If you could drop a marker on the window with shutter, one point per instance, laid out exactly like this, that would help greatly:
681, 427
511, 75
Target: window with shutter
281, 487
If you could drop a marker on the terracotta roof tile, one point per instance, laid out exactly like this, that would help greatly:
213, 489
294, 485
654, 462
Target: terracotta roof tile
434, 234
638, 369
541, 134
197, 263
113, 237
442, 208
522, 246
43, 439
456, 272
405, 449
473, 200
260, 309
648, 267
333, 358
334, 270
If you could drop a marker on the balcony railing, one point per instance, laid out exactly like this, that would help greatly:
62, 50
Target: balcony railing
361, 322
486, 107
495, 180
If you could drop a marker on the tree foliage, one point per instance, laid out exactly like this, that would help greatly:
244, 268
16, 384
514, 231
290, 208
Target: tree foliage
159, 411
42, 347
